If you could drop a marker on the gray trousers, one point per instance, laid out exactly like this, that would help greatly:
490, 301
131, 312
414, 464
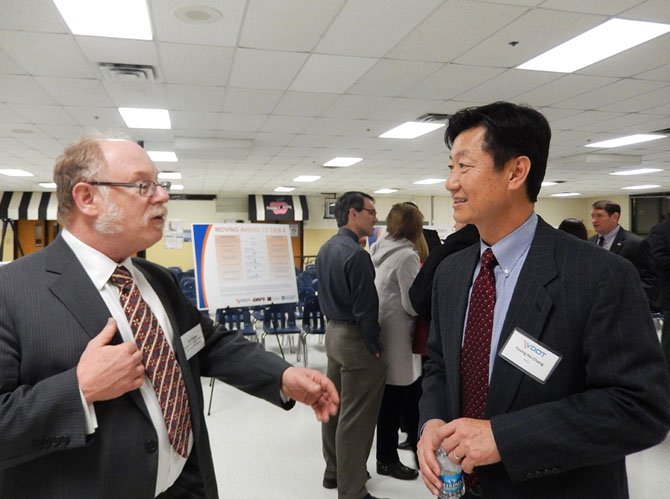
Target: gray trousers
347, 438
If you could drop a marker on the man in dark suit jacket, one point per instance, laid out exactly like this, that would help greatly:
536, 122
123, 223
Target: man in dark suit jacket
574, 379
79, 417
610, 235
659, 244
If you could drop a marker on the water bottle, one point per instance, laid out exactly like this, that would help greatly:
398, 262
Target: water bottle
451, 476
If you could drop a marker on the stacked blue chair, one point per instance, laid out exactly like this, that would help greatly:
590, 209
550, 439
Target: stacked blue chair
233, 320
187, 285
313, 322
279, 319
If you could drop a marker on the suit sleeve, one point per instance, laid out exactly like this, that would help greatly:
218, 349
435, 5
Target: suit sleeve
610, 392
660, 250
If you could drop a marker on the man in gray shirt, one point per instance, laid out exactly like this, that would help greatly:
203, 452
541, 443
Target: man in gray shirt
348, 299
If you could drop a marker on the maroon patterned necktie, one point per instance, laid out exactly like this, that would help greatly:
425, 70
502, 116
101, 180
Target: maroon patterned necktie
159, 360
477, 346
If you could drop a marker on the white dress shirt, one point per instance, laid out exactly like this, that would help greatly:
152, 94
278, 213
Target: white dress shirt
100, 268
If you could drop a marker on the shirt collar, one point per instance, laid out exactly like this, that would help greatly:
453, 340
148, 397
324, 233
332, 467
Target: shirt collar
98, 266
512, 247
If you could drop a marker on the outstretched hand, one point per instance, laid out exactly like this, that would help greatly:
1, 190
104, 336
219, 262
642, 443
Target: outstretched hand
311, 388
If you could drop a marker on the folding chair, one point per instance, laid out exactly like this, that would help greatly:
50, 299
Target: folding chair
313, 322
279, 319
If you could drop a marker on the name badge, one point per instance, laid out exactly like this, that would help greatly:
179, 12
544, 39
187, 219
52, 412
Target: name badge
529, 355
193, 341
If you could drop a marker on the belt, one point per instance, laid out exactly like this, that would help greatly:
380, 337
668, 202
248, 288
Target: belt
346, 323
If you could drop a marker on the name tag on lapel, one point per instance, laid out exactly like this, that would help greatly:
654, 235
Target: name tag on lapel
193, 341
529, 355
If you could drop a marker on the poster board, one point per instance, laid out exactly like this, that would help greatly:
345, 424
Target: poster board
243, 265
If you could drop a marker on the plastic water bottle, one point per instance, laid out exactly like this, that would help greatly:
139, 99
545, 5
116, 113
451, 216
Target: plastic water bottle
451, 476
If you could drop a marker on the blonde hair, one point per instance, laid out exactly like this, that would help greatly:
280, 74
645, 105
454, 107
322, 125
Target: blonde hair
406, 221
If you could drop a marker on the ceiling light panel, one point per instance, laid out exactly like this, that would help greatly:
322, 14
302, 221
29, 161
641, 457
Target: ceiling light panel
639, 171
13, 172
410, 130
342, 162
627, 140
107, 18
601, 42
163, 156
307, 178
146, 118
429, 181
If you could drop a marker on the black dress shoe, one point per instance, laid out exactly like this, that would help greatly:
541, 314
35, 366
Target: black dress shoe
397, 470
404, 445
331, 483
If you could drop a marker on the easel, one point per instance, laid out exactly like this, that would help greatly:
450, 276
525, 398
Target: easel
17, 243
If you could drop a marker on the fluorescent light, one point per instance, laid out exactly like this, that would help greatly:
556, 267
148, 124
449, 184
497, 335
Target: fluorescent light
12, 172
47, 185
307, 178
342, 162
410, 130
639, 187
601, 42
108, 18
547, 183
163, 156
169, 176
281, 188
428, 181
639, 171
145, 118
627, 140
385, 191
176, 187
566, 194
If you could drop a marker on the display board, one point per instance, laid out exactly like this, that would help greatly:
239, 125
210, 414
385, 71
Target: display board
243, 265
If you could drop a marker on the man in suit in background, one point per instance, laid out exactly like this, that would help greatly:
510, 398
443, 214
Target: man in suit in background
659, 245
544, 368
611, 236
84, 412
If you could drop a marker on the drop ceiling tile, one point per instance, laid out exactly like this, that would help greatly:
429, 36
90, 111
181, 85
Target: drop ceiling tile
355, 107
330, 73
43, 114
103, 118
140, 94
402, 109
392, 77
564, 88
194, 120
286, 124
451, 81
241, 122
222, 32
195, 64
609, 8
304, 103
507, 85
46, 54
23, 90
641, 100
609, 94
9, 66
31, 15
250, 101
265, 69
295, 26
448, 32
195, 98
384, 22
76, 92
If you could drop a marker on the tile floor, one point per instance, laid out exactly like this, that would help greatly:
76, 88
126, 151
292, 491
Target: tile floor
263, 451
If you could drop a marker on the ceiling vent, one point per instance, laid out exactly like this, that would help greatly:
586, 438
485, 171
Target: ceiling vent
433, 118
127, 72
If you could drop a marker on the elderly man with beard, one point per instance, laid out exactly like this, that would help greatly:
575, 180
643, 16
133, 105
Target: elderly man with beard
101, 354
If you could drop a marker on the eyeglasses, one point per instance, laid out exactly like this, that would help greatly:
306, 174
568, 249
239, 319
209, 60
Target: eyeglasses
147, 187
371, 212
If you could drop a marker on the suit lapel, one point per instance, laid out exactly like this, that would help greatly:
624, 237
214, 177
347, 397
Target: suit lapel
72, 286
529, 309
618, 242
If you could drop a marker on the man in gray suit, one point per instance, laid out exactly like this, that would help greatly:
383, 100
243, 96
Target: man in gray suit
79, 412
566, 377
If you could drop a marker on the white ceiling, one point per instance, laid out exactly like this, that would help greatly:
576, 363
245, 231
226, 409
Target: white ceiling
278, 87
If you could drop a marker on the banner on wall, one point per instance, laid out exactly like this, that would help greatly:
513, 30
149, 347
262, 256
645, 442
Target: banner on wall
266, 208
243, 265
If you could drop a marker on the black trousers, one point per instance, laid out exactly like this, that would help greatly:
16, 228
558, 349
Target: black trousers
398, 401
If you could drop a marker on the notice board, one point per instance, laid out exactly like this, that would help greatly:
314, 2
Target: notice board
243, 265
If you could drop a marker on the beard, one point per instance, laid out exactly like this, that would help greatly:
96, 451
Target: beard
109, 222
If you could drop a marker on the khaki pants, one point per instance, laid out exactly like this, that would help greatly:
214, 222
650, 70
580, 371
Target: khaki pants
347, 438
